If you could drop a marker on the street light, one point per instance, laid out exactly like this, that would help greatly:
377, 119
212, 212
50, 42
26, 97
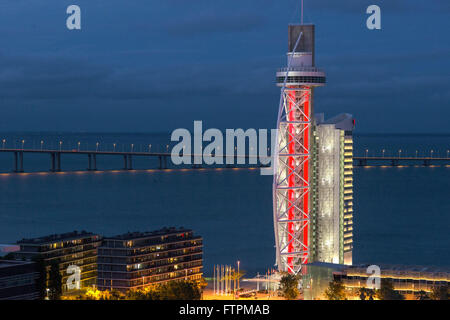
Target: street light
132, 146
167, 148
60, 145
399, 153
417, 153
383, 152
4, 141
96, 146
239, 276
367, 152
149, 148
114, 147
42, 144
23, 142
431, 153
448, 151
78, 145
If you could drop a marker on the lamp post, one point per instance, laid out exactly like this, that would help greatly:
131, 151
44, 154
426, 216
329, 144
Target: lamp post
23, 143
78, 146
4, 141
149, 148
239, 275
60, 145
42, 145
367, 152
114, 147
448, 151
383, 152
96, 146
399, 153
431, 153
132, 146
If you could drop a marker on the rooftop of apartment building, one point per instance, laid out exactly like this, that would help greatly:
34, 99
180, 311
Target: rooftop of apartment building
68, 236
149, 234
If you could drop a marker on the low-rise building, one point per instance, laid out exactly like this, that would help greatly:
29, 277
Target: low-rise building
18, 280
72, 248
407, 280
141, 259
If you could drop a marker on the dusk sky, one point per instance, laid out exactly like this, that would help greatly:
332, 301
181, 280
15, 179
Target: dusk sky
158, 65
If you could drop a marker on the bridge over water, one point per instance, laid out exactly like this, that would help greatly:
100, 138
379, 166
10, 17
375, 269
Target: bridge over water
164, 158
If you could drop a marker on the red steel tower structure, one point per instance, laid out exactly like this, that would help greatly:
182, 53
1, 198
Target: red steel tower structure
292, 178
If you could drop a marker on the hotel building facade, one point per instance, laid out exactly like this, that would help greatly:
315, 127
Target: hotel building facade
332, 190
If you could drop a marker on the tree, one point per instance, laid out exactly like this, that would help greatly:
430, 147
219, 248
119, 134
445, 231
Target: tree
387, 292
95, 294
440, 292
8, 256
179, 290
289, 286
54, 281
202, 284
235, 277
172, 290
366, 293
335, 291
422, 295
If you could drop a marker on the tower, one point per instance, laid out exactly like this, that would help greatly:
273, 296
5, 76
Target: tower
292, 176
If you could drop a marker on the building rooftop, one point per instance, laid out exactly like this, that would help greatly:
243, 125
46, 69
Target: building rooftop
57, 237
12, 263
383, 267
137, 235
404, 268
343, 121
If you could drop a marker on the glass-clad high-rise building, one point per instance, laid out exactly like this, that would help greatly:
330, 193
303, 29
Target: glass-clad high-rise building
332, 190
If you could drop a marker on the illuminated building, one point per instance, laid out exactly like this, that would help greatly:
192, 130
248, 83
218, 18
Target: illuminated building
18, 280
312, 185
331, 217
72, 248
407, 280
138, 260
